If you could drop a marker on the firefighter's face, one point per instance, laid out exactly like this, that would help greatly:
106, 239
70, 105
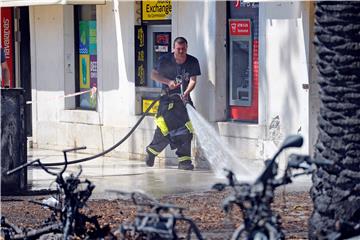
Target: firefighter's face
180, 50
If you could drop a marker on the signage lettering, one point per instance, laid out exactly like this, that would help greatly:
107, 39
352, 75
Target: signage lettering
240, 27
140, 56
141, 37
7, 35
156, 10
141, 75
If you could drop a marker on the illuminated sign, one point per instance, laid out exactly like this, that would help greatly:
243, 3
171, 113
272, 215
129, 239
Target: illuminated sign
156, 10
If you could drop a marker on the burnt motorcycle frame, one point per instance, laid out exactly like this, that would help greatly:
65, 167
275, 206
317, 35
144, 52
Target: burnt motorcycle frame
155, 220
255, 199
71, 199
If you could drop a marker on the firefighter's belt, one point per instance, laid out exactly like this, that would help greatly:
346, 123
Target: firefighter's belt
180, 131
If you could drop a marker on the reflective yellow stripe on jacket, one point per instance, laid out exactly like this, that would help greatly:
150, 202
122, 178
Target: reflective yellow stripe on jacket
160, 122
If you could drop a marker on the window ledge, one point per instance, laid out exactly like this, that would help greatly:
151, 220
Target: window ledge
241, 130
80, 116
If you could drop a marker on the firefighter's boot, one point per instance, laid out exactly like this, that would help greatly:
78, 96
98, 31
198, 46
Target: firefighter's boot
149, 159
186, 165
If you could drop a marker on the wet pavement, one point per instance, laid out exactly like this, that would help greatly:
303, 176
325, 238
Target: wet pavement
111, 173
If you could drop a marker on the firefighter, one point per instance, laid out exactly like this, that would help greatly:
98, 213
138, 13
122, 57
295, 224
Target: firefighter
177, 71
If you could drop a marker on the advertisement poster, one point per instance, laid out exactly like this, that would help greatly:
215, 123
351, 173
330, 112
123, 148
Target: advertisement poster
87, 62
84, 71
159, 10
93, 70
84, 37
7, 40
92, 37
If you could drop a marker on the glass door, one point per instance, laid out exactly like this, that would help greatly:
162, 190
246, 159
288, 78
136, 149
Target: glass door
159, 43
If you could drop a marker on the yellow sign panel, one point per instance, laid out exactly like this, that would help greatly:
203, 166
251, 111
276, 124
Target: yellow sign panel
146, 103
156, 10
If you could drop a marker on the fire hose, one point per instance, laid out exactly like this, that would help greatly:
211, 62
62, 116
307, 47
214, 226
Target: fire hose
179, 81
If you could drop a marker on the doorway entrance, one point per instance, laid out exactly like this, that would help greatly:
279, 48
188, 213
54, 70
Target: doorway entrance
24, 61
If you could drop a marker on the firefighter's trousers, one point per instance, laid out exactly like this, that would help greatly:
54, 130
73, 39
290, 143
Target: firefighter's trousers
173, 127
182, 144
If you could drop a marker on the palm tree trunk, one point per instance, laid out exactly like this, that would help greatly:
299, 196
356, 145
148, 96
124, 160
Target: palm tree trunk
336, 188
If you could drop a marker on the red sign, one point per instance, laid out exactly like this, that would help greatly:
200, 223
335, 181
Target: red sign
240, 27
7, 40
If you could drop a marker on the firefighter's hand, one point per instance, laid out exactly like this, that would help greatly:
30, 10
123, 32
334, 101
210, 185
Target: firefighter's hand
172, 84
185, 98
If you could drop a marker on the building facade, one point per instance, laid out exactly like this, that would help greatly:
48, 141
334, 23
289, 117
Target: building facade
257, 83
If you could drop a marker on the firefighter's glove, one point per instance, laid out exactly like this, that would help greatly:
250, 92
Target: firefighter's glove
185, 99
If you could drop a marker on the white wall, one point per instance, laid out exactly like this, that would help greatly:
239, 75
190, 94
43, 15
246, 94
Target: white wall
286, 69
47, 57
117, 58
56, 124
203, 24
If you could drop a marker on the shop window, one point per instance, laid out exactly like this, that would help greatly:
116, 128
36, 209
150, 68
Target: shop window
85, 55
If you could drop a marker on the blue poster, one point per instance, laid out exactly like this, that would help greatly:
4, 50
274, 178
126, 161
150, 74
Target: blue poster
84, 37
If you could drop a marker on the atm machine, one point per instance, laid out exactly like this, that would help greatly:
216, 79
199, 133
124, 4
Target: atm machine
240, 62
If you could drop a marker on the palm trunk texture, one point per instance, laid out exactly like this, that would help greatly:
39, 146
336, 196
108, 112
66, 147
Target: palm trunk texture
336, 188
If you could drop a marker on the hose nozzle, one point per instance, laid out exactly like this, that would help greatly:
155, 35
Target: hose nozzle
178, 79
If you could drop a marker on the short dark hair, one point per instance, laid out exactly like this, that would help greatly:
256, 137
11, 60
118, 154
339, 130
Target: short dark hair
180, 40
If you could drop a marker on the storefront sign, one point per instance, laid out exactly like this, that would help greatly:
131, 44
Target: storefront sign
153, 10
240, 27
247, 3
140, 56
7, 40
